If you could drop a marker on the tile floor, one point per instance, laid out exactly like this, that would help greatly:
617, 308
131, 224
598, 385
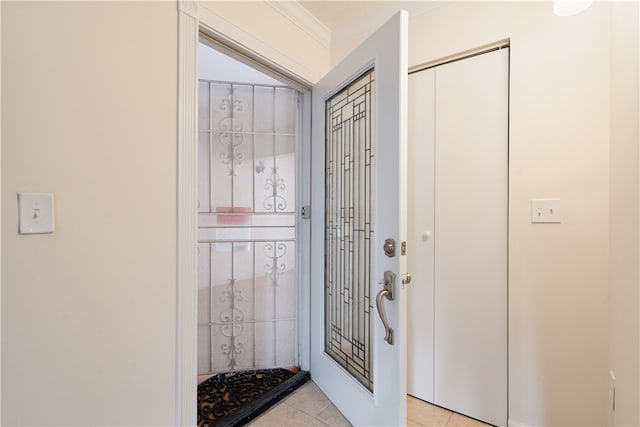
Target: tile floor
308, 406
423, 414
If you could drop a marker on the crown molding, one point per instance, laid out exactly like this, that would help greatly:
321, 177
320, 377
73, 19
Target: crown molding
304, 19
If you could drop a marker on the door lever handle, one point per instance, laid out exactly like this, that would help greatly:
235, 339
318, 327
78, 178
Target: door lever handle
388, 292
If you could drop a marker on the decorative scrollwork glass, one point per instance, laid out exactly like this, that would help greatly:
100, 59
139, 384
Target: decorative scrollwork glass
246, 223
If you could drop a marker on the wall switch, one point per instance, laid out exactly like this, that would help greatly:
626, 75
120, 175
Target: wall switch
545, 210
35, 213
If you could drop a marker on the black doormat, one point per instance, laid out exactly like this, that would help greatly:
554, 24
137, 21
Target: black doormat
236, 398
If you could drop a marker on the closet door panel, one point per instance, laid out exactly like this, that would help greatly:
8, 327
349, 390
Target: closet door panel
471, 208
420, 238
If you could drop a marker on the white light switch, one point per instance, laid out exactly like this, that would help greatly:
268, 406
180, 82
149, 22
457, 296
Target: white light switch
545, 210
35, 212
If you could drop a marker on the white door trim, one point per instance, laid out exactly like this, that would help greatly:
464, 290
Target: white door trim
194, 19
186, 239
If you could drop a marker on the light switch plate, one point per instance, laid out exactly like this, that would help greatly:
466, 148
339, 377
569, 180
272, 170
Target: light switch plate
35, 212
545, 211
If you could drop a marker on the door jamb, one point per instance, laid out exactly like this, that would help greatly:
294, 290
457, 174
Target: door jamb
192, 21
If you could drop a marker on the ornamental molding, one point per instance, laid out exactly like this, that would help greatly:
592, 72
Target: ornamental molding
303, 19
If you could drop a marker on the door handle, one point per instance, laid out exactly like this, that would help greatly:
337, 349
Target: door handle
388, 292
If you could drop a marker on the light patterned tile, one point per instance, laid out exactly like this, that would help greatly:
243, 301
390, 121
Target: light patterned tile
458, 420
283, 415
333, 417
426, 414
309, 398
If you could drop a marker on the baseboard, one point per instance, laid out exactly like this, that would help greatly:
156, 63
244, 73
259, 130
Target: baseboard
513, 423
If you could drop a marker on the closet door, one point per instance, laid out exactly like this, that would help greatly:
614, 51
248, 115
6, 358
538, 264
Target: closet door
420, 237
471, 210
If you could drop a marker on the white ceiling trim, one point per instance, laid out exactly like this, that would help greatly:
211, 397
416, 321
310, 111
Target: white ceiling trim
304, 19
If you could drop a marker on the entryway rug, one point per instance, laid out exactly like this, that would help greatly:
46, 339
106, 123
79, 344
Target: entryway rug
236, 398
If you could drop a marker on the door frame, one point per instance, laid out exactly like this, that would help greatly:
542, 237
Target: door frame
193, 21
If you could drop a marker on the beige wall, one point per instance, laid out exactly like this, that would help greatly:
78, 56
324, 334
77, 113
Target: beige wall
89, 113
89, 108
559, 147
624, 230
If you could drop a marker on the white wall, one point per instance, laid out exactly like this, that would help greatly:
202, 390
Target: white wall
89, 113
624, 230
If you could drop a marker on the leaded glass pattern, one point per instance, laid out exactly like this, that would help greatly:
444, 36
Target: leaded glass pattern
349, 227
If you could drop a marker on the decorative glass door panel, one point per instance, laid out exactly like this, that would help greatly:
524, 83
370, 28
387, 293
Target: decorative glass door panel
349, 227
359, 149
247, 287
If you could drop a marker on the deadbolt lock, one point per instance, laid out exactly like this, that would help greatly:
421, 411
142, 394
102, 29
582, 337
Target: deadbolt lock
390, 248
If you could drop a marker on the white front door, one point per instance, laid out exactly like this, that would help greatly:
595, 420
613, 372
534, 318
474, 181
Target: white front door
358, 202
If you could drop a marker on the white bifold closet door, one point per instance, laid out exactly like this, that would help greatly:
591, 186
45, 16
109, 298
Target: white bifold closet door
458, 153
